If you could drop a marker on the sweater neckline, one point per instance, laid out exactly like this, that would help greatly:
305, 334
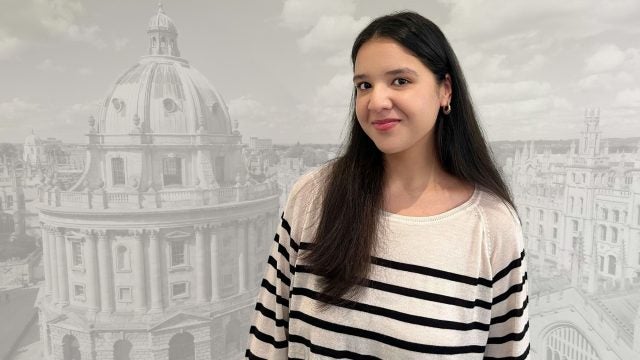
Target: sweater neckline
473, 199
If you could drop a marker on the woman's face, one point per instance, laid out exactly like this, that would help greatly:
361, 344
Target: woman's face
397, 97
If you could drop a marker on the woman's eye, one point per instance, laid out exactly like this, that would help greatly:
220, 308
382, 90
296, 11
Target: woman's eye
363, 86
400, 81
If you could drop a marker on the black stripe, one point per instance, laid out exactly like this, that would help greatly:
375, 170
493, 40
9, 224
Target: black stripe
397, 315
251, 356
272, 289
293, 244
385, 339
509, 337
514, 264
512, 290
337, 354
511, 314
271, 315
282, 250
265, 338
419, 294
284, 278
520, 357
285, 224
430, 272
305, 245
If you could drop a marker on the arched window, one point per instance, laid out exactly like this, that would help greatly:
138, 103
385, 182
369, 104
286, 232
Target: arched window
612, 265
567, 342
614, 235
605, 214
603, 233
70, 348
182, 347
121, 350
123, 258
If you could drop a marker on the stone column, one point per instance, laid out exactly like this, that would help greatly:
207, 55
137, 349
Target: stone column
201, 265
155, 274
45, 260
140, 292
242, 256
53, 256
105, 271
253, 235
61, 259
215, 265
93, 282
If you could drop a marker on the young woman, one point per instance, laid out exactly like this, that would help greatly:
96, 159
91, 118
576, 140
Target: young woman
407, 246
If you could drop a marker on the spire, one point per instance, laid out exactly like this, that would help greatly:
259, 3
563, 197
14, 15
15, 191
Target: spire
160, 8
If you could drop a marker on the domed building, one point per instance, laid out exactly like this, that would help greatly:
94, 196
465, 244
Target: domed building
158, 250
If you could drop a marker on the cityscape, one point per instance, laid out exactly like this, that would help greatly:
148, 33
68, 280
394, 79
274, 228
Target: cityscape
149, 239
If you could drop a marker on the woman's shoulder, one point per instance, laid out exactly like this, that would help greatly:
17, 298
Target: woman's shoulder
308, 186
501, 222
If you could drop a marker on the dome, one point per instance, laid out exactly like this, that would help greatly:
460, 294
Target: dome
161, 21
163, 95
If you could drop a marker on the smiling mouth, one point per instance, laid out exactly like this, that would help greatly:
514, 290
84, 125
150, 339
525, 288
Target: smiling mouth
384, 125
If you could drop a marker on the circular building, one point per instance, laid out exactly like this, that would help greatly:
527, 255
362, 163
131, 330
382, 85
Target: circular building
158, 250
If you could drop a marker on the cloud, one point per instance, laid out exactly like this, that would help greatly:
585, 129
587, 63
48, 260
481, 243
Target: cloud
49, 65
85, 70
494, 92
607, 58
120, 43
9, 45
86, 34
629, 98
332, 33
304, 14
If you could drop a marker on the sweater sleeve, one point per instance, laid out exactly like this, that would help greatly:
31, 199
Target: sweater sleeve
509, 328
269, 332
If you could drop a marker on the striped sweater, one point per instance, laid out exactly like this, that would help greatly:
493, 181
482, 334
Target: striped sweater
449, 286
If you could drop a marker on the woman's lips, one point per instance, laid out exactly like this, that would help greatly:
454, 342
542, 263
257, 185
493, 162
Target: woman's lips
384, 125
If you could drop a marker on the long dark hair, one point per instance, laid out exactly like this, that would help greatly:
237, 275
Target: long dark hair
348, 223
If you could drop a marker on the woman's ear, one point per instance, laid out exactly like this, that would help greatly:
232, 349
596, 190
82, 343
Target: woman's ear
445, 91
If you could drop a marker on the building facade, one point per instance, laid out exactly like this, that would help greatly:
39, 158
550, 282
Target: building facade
158, 249
580, 213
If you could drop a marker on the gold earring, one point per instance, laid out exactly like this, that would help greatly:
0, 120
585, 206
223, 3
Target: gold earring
447, 109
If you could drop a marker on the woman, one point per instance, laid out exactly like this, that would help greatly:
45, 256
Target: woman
407, 246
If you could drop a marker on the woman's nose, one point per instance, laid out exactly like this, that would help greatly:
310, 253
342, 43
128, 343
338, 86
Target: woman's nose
379, 99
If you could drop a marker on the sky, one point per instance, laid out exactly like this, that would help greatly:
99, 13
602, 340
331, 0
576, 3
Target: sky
283, 66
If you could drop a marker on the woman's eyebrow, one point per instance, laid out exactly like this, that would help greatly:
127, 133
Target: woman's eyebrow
399, 71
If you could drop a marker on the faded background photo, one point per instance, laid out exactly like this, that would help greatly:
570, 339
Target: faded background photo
146, 151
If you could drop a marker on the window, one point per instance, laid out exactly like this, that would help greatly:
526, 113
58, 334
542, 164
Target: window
541, 215
581, 205
9, 201
553, 249
117, 171
571, 204
528, 213
555, 233
614, 235
574, 224
177, 253
556, 217
123, 261
603, 233
601, 263
540, 231
78, 292
616, 215
76, 253
124, 294
179, 290
612, 265
172, 171
605, 214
